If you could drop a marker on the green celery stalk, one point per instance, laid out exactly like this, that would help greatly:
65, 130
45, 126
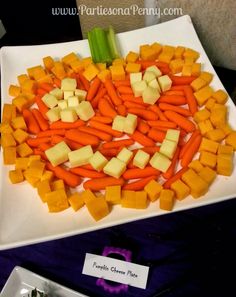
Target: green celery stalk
111, 36
103, 47
94, 48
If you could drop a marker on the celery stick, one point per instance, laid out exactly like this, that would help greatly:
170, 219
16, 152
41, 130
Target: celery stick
103, 48
92, 46
111, 36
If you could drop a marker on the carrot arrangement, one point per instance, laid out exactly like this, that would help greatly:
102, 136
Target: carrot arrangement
128, 138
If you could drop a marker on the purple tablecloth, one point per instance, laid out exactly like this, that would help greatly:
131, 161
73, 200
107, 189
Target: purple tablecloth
190, 253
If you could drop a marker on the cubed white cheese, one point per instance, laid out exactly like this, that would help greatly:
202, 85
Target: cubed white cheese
141, 159
134, 77
73, 101
85, 110
165, 82
98, 161
68, 84
138, 87
154, 84
173, 134
58, 154
149, 76
155, 70
53, 114
160, 162
131, 122
150, 95
118, 123
50, 100
125, 155
68, 115
81, 94
168, 148
67, 94
115, 168
80, 156
62, 104
58, 93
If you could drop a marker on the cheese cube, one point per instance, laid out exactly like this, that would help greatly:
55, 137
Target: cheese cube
207, 76
24, 150
125, 155
155, 70
208, 159
216, 135
132, 67
208, 145
73, 101
68, 115
17, 123
113, 194
207, 174
132, 57
76, 201
181, 189
138, 87
198, 83
225, 149
218, 115
98, 208
115, 168
81, 94
153, 189
224, 164
128, 199
205, 126
141, 159
58, 154
210, 103
21, 163
130, 124
203, 94
118, 123
166, 200
43, 187
68, 94
201, 115
154, 84
53, 114
168, 148
9, 155
80, 156
85, 111
19, 135
58, 93
150, 95
15, 176
196, 165
57, 184
197, 185
160, 162
68, 84
117, 72
220, 96
98, 161
50, 100
62, 104
165, 82
149, 76
135, 77
140, 200
173, 135
57, 200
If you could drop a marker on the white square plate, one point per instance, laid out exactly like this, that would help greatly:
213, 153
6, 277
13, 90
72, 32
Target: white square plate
22, 281
24, 219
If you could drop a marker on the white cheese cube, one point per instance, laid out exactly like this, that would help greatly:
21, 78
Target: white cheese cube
68, 84
58, 93
150, 95
118, 123
81, 94
131, 122
115, 168
50, 100
160, 162
134, 77
85, 110
98, 161
73, 101
165, 82
155, 70
138, 87
53, 114
80, 156
168, 148
141, 159
62, 104
58, 154
125, 155
149, 76
173, 134
154, 84
68, 94
68, 115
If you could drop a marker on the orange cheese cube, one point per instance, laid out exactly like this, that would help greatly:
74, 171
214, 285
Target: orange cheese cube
198, 83
21, 78
166, 199
196, 69
58, 70
176, 65
113, 194
8, 113
208, 145
87, 61
7, 140
225, 149
208, 159
18, 123
132, 57
23, 150
88, 196
140, 200
48, 62
210, 103
5, 128
20, 102
47, 175
21, 163
205, 126
90, 72
218, 115
153, 189
76, 201
20, 135
216, 135
128, 199
196, 184
166, 56
220, 96
224, 164
57, 200
16, 176
29, 86
187, 70
190, 53
9, 155
203, 94
133, 67
104, 74
179, 50
231, 139
14, 91
148, 53
43, 187
196, 165
57, 185
207, 76
201, 115
77, 65
181, 189
98, 208
69, 58
117, 72
207, 174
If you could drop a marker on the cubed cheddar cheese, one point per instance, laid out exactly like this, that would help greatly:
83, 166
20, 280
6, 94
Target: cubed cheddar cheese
20, 135
224, 164
7, 140
225, 149
196, 165
57, 200
198, 84
218, 115
208, 159
208, 145
216, 135
201, 115
208, 174
205, 126
180, 189
21, 163
231, 139
76, 201
16, 176
128, 199
43, 187
57, 185
220, 96
203, 94
132, 67
24, 150
117, 72
197, 185
166, 200
141, 200
153, 189
98, 208
91, 72
113, 194
132, 57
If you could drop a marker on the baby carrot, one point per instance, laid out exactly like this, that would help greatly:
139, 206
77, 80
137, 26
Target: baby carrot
165, 124
191, 151
144, 114
156, 135
142, 139
106, 109
118, 143
102, 119
46, 86
56, 139
174, 93
139, 184
105, 128
157, 110
148, 149
183, 111
118, 83
52, 132
139, 173
37, 151
100, 134
32, 125
125, 90
175, 177
121, 109
41, 92
71, 179
191, 100
181, 80
143, 127
131, 98
130, 104
101, 92
175, 100
98, 184
63, 125
87, 166
84, 81
82, 137
41, 106
73, 145
34, 142
57, 82
109, 152
87, 173
93, 88
112, 92
188, 143
42, 122
171, 170
44, 146
181, 121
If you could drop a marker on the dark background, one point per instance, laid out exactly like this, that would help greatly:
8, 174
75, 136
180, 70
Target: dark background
190, 253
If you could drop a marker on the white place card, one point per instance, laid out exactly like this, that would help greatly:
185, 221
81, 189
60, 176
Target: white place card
116, 270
